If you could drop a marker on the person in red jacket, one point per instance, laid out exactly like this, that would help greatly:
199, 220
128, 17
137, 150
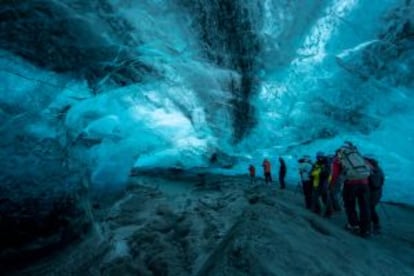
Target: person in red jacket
349, 162
267, 171
252, 173
335, 188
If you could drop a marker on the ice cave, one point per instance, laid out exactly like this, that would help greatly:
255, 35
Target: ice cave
128, 128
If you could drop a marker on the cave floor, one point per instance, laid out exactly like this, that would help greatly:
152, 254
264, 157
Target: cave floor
201, 224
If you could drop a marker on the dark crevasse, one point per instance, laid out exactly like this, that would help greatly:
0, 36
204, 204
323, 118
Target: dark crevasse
230, 38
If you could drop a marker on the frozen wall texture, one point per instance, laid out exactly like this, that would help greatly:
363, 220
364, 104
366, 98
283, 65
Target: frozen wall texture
93, 88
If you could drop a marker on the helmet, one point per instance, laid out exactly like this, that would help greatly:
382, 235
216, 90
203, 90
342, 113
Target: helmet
305, 158
348, 143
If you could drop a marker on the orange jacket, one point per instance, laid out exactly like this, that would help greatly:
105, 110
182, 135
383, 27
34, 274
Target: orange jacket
266, 166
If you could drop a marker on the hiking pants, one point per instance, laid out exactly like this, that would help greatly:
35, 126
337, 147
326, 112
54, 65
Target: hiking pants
336, 189
374, 217
357, 193
334, 193
375, 196
327, 199
282, 180
307, 192
268, 177
316, 205
321, 192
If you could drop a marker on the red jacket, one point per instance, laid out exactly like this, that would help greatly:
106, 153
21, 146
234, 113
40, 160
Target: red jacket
266, 166
252, 171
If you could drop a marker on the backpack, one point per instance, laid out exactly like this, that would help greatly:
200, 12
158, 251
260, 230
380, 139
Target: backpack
354, 164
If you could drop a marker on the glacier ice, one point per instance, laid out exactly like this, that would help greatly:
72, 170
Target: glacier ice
160, 84
93, 92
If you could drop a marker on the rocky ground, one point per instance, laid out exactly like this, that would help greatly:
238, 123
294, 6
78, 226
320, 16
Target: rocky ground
176, 224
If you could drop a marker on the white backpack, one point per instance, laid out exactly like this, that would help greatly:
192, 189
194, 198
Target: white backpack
354, 164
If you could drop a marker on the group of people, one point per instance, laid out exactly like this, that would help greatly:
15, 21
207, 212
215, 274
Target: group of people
360, 178
267, 172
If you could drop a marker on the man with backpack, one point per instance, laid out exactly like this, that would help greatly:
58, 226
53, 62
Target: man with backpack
349, 162
376, 181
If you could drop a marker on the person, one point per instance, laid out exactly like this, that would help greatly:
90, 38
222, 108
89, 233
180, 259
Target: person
252, 173
319, 178
282, 173
349, 161
214, 158
335, 188
305, 167
376, 182
267, 171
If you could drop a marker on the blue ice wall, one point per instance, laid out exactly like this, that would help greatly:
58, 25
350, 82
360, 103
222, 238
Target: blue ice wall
93, 88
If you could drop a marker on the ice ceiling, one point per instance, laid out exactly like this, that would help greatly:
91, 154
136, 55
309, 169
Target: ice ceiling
97, 87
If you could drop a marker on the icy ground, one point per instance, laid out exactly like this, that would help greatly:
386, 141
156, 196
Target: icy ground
180, 224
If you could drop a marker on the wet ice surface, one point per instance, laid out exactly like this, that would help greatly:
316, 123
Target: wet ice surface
220, 225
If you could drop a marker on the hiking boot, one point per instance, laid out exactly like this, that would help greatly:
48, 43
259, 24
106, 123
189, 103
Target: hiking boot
351, 228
